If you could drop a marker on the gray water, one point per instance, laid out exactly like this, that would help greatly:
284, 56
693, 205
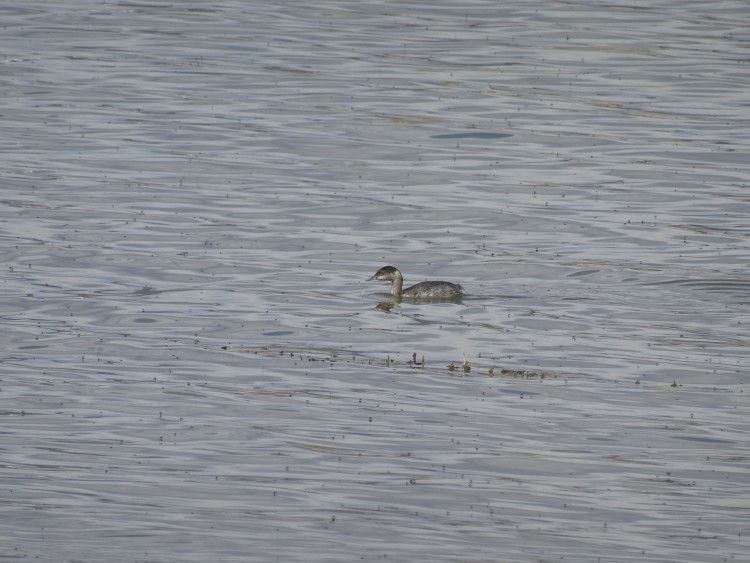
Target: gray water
194, 369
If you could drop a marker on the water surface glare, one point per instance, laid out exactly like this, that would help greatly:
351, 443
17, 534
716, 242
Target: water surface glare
195, 369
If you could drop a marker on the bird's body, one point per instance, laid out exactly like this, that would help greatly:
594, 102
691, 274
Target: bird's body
422, 290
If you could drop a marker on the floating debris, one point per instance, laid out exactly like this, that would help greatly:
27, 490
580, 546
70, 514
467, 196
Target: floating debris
522, 373
359, 358
414, 363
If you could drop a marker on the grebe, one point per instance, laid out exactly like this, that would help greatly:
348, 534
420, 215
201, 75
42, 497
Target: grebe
423, 290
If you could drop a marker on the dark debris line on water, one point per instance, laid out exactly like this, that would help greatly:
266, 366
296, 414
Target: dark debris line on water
463, 368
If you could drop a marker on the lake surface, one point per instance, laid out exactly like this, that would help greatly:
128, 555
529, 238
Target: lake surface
195, 369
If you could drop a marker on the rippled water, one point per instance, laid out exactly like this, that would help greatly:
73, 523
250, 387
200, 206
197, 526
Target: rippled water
193, 367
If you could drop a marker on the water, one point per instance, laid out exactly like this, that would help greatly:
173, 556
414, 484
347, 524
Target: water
194, 368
